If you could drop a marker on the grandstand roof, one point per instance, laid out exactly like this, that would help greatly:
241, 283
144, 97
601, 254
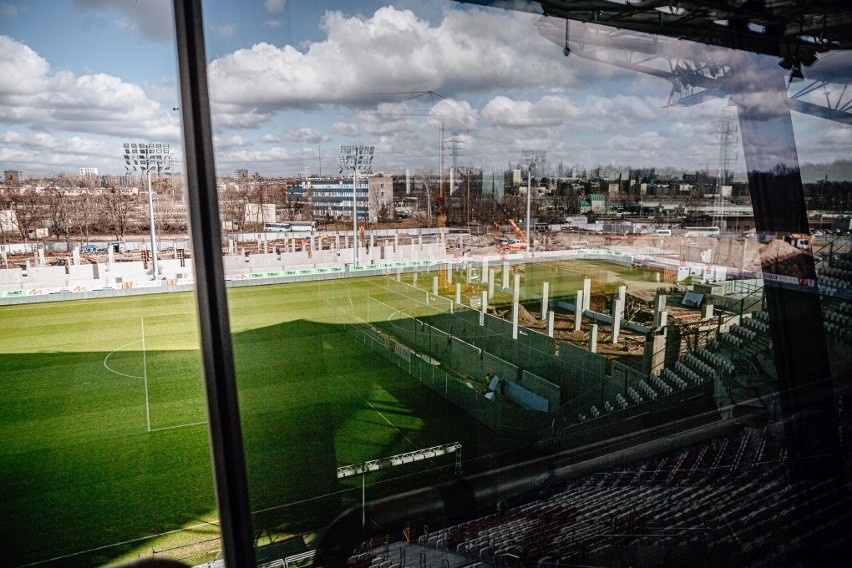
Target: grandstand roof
795, 29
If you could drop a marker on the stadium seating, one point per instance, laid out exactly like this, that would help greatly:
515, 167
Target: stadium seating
689, 501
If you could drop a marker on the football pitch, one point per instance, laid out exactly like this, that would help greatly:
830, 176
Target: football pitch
103, 439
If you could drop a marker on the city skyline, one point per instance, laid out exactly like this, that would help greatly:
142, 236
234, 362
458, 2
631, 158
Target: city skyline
292, 81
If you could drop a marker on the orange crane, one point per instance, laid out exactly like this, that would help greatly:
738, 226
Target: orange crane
521, 235
521, 242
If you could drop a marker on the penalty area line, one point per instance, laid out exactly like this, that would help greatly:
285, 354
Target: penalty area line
379, 412
178, 426
143, 377
113, 352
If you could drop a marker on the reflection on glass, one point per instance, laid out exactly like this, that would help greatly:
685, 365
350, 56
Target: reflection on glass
582, 310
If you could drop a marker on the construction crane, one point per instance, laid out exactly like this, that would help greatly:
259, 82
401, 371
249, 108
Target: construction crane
520, 243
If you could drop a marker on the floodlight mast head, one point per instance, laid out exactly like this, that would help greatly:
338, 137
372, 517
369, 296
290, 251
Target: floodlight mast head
147, 157
356, 157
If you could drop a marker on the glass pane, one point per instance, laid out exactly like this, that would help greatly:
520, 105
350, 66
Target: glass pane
640, 178
507, 172
103, 440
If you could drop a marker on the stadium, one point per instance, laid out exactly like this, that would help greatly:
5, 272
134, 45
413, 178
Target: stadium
650, 367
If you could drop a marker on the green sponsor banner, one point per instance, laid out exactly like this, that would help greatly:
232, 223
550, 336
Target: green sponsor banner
12, 293
336, 269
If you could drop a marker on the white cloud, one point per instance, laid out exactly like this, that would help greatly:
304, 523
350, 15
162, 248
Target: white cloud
151, 19
62, 101
48, 154
275, 154
10, 10
230, 142
272, 23
275, 5
43, 106
364, 61
224, 30
456, 114
22, 70
547, 111
304, 135
621, 110
386, 118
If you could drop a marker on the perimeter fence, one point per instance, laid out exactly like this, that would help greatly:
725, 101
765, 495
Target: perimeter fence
463, 336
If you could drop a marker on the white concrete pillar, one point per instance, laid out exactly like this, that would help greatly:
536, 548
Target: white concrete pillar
399, 275
449, 273
41, 255
435, 285
660, 310
505, 275
707, 311
110, 256
617, 314
491, 278
516, 291
587, 293
484, 270
458, 292
550, 317
395, 241
5, 259
545, 293
593, 338
414, 279
578, 311
469, 270
75, 255
484, 308
622, 293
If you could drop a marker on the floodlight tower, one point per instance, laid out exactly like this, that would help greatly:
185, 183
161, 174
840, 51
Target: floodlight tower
726, 129
529, 160
359, 159
148, 157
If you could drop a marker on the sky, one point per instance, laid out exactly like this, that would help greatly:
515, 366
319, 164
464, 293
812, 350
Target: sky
293, 80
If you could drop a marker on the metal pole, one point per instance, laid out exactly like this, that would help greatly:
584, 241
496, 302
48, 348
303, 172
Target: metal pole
226, 439
153, 230
355, 211
363, 497
529, 198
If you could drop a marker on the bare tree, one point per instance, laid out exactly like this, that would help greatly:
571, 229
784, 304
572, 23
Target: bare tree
117, 206
82, 214
234, 202
29, 211
58, 202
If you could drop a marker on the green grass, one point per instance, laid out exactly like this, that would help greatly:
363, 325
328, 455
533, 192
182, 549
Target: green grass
80, 471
